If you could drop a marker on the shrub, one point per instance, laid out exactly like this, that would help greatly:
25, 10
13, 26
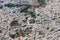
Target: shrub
42, 2
14, 23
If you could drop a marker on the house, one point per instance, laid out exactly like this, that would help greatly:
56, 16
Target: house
31, 20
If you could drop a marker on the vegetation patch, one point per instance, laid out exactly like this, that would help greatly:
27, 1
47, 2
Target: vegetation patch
42, 2
25, 10
12, 5
14, 23
13, 36
1, 6
25, 32
32, 14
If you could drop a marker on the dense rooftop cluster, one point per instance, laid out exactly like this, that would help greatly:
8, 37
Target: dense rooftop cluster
29, 19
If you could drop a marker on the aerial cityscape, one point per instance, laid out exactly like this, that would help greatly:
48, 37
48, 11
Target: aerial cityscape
29, 19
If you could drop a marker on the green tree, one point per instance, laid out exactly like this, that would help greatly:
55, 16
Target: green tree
42, 2
14, 23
